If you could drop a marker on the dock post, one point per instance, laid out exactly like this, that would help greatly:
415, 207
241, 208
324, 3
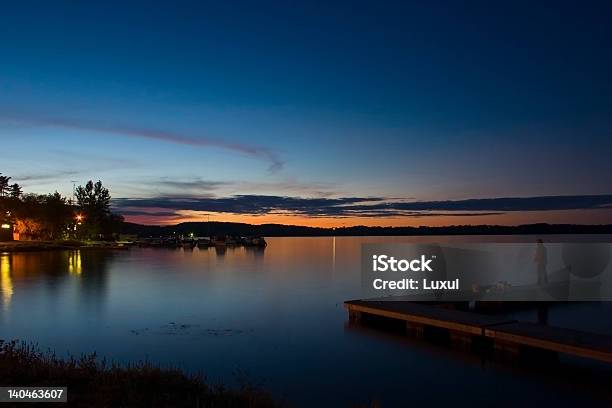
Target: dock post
460, 340
354, 316
506, 350
415, 329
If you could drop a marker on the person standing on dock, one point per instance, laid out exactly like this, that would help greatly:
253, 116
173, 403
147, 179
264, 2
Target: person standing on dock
541, 261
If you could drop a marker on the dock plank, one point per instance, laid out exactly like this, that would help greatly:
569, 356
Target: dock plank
562, 340
465, 322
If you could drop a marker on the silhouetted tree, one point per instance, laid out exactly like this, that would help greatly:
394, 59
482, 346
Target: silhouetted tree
112, 224
56, 215
4, 185
93, 201
15, 190
40, 216
52, 216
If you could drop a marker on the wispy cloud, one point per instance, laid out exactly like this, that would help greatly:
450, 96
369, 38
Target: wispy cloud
52, 175
258, 152
164, 214
363, 206
207, 188
186, 186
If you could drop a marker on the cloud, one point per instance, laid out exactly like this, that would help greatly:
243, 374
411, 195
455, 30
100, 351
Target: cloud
80, 167
197, 184
544, 203
52, 175
149, 213
245, 204
363, 206
258, 152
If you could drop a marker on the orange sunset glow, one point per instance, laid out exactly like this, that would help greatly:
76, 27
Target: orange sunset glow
599, 216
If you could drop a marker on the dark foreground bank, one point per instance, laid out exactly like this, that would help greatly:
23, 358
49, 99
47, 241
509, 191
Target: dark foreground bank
95, 383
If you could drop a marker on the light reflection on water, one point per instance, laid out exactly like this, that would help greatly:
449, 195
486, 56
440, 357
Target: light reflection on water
274, 315
6, 282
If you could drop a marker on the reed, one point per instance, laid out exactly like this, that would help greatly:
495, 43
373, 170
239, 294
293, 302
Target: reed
94, 382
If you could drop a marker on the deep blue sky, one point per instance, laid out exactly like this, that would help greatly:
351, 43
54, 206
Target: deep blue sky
414, 100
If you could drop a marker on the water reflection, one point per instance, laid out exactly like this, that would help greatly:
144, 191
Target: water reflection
220, 250
333, 255
75, 263
53, 273
256, 252
93, 276
6, 283
275, 314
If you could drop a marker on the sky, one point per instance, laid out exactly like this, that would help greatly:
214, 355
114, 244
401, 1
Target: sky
314, 113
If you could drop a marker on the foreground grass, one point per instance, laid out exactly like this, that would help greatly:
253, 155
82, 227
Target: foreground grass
95, 383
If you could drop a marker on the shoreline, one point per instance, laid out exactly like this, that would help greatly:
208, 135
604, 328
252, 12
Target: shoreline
94, 382
67, 245
37, 246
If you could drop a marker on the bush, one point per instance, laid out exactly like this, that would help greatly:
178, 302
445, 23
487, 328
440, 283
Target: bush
95, 383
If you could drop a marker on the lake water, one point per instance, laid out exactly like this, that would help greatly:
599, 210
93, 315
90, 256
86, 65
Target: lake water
273, 316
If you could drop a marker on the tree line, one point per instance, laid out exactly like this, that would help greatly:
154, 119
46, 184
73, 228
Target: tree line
279, 230
53, 216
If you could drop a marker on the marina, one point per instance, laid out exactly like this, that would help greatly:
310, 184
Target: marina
200, 242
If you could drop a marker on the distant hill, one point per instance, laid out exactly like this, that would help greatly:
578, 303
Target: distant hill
279, 230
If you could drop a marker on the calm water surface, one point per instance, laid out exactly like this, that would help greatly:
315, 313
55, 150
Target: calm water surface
274, 316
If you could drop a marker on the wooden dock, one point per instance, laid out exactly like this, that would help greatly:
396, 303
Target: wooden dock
556, 339
421, 314
504, 334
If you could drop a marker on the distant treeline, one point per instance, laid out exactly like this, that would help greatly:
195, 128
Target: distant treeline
278, 230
